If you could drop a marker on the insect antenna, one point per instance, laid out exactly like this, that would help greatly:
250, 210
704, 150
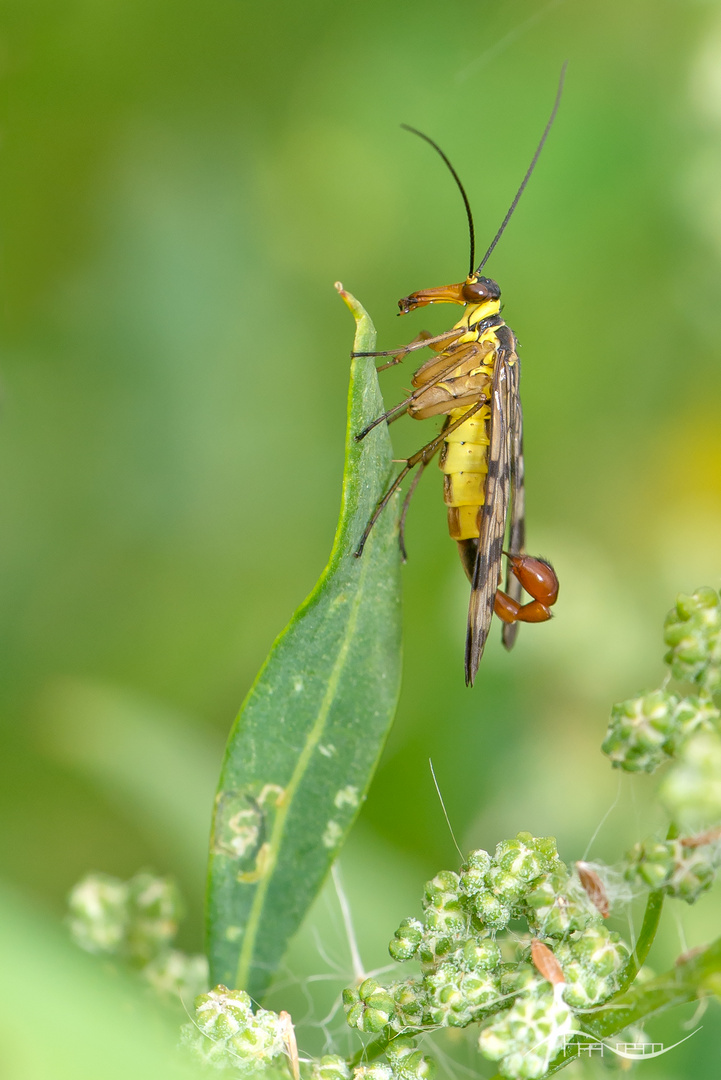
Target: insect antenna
530, 169
456, 177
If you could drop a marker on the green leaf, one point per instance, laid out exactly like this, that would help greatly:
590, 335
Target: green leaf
303, 750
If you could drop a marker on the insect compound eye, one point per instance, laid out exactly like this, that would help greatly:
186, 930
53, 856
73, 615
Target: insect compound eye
476, 292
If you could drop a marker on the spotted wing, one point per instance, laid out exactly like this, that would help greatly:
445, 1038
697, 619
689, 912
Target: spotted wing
517, 535
487, 571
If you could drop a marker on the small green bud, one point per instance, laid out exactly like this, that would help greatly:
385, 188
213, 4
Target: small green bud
693, 632
683, 872
445, 1002
478, 860
261, 1040
446, 881
481, 955
154, 909
693, 716
406, 940
99, 913
601, 949
650, 862
227, 1033
692, 876
409, 1063
368, 988
354, 1014
435, 947
521, 858
173, 974
376, 1071
474, 872
547, 848
481, 990
639, 730
451, 920
491, 911
551, 909
330, 1067
592, 966
472, 881
408, 999
441, 890
507, 886
222, 1012
375, 1020
371, 1008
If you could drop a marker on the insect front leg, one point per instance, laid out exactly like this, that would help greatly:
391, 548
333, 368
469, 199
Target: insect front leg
424, 380
418, 343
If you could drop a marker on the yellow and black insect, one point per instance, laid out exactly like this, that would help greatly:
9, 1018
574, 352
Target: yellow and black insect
474, 382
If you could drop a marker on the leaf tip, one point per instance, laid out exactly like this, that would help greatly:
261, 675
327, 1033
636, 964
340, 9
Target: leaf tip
358, 311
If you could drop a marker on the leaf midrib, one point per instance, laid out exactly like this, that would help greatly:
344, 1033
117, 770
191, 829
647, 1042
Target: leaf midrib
276, 836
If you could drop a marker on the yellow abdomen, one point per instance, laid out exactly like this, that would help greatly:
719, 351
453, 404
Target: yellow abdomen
464, 461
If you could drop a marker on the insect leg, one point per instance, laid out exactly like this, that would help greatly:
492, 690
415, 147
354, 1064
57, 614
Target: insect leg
400, 354
423, 455
406, 503
381, 506
393, 414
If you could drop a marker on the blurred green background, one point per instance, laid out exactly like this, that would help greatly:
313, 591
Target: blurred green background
181, 185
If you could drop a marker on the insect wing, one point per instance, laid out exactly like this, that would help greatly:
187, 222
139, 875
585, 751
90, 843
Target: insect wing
517, 538
487, 571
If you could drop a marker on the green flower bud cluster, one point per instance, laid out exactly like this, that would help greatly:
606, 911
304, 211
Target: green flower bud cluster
683, 869
407, 1062
526, 1037
404, 1062
330, 1067
592, 966
646, 731
174, 974
377, 1071
529, 1035
98, 914
226, 1033
692, 631
370, 1007
464, 975
136, 921
154, 912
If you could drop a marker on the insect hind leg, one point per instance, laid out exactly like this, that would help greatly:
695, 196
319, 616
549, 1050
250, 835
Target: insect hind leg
424, 455
381, 507
406, 503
